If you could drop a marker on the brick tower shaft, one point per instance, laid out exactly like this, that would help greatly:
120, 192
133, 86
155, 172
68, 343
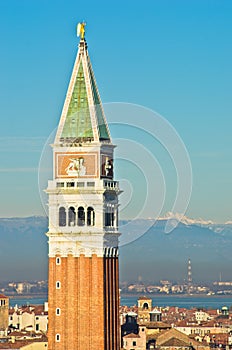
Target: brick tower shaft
83, 221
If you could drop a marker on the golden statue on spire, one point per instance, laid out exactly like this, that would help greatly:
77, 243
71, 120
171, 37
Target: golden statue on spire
81, 30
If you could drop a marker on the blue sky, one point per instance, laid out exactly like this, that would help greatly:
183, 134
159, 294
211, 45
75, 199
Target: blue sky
173, 57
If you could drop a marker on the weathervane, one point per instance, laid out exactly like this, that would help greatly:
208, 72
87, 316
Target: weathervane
81, 30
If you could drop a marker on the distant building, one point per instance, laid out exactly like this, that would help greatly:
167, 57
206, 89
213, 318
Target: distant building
135, 341
30, 318
155, 315
4, 309
202, 316
225, 311
130, 326
144, 309
221, 283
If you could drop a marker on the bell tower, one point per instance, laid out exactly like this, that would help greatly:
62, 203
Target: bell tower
83, 221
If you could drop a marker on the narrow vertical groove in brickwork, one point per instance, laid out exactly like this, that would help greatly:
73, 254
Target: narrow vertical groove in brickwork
117, 302
91, 314
111, 296
113, 303
63, 292
101, 302
109, 300
75, 300
63, 295
115, 306
105, 302
88, 261
78, 305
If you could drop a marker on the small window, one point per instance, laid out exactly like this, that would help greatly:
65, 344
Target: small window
37, 318
37, 327
58, 261
134, 343
70, 184
80, 184
90, 184
58, 285
57, 338
60, 184
58, 311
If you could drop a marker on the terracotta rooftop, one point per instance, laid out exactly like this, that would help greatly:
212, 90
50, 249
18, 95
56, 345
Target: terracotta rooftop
154, 336
144, 298
38, 310
175, 342
131, 335
160, 325
182, 323
19, 344
2, 296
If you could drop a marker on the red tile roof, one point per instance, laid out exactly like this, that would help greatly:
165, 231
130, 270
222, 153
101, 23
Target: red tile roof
175, 342
144, 298
2, 296
131, 335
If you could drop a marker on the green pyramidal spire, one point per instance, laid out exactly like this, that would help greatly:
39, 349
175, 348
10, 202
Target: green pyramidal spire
82, 118
78, 120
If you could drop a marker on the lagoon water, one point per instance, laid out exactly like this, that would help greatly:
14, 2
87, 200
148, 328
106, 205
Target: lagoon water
209, 302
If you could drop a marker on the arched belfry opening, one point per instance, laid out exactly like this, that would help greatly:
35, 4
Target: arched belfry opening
90, 216
81, 216
62, 216
145, 306
71, 216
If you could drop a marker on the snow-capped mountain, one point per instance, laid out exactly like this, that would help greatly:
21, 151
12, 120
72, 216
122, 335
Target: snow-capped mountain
180, 218
151, 253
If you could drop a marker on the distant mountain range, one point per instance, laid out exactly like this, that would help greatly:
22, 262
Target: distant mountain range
153, 256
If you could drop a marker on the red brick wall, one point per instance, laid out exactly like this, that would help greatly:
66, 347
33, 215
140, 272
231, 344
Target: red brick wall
88, 299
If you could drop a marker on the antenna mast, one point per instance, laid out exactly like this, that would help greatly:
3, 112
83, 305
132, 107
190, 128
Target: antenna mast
189, 276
